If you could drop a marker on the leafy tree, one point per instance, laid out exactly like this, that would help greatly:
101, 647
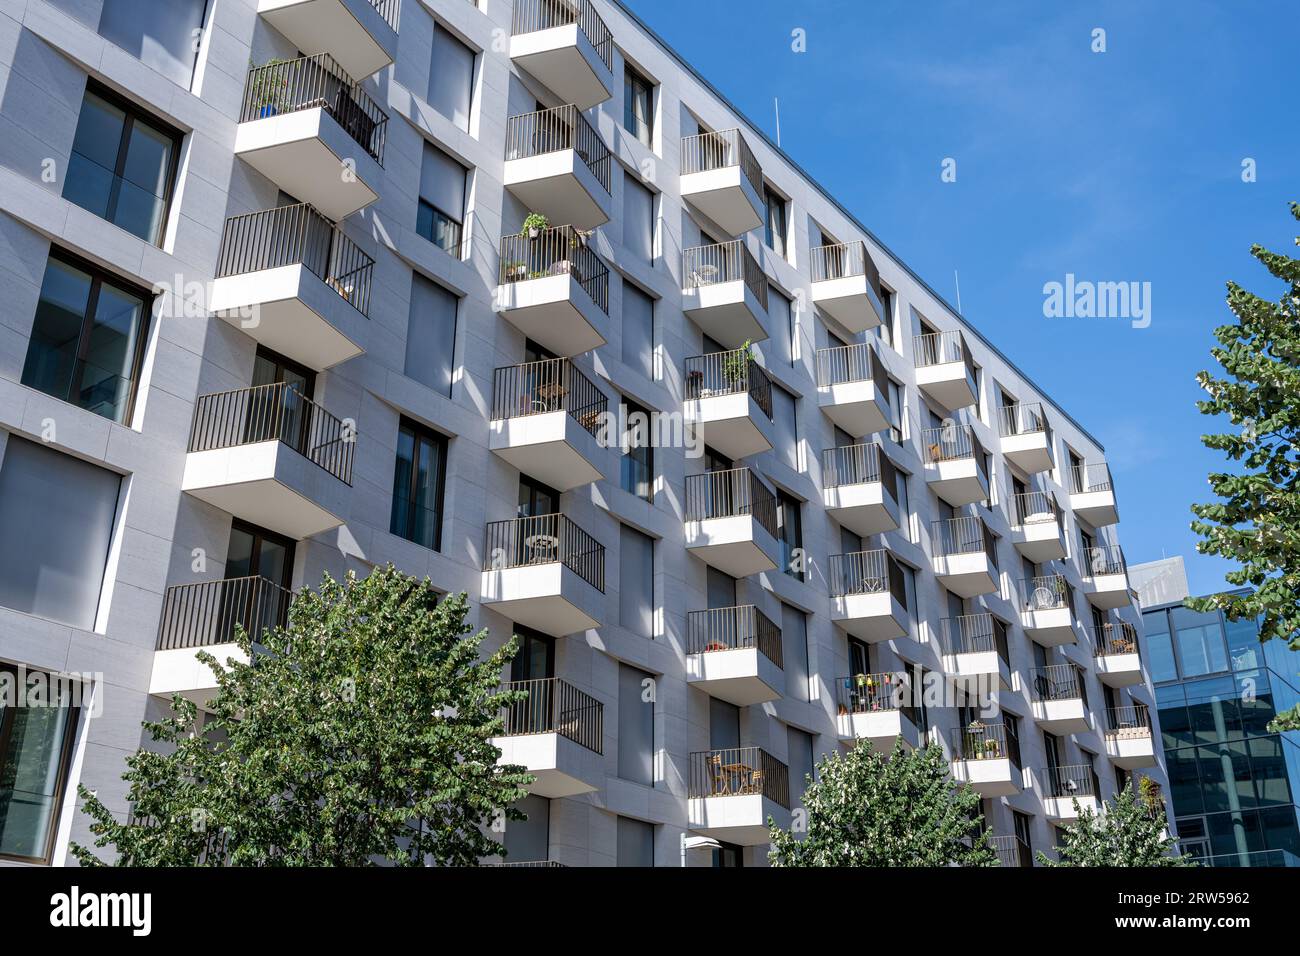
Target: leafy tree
1130, 833
866, 809
1256, 521
359, 735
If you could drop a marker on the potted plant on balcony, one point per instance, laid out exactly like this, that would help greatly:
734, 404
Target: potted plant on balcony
991, 748
516, 270
267, 87
534, 223
735, 365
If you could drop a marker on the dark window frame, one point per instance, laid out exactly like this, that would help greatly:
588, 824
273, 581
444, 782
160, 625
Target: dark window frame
777, 242
422, 434
633, 80
648, 449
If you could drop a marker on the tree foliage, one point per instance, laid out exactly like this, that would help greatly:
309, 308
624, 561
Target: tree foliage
1131, 832
866, 809
359, 734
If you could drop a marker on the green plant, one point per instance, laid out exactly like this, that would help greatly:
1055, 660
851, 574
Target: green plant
1131, 832
534, 222
735, 365
269, 85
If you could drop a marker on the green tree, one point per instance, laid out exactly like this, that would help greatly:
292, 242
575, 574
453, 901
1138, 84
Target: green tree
1131, 832
1256, 521
361, 734
866, 809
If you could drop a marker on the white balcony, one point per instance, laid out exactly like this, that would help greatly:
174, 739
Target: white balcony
975, 650
964, 556
179, 671
314, 133
1066, 808
874, 707
1129, 741
546, 573
852, 389
733, 793
1117, 663
731, 522
734, 654
1026, 438
1069, 791
567, 46
954, 464
558, 166
724, 292
556, 734
860, 488
1092, 494
1048, 617
1105, 581
846, 286
987, 758
868, 595
555, 290
546, 419
1037, 531
722, 179
944, 370
729, 403
1056, 696
360, 34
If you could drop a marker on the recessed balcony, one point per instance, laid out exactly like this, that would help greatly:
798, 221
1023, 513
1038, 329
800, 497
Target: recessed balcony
955, 467
556, 733
853, 389
1037, 530
566, 45
204, 617
557, 165
1026, 437
860, 488
1129, 741
1011, 851
1092, 494
555, 290
311, 130
729, 402
846, 285
965, 556
1105, 578
1049, 617
724, 292
722, 179
868, 595
945, 370
878, 708
546, 421
1116, 647
1070, 790
271, 457
544, 572
1058, 699
360, 34
986, 757
292, 281
732, 793
731, 522
734, 654
975, 649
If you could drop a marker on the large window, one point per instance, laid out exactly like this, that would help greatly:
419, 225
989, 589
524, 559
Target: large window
87, 341
451, 77
441, 214
799, 748
783, 328
638, 219
638, 330
638, 105
431, 335
56, 524
1160, 649
774, 227
794, 653
528, 841
1199, 639
163, 35
123, 165
35, 751
790, 530
636, 843
786, 431
418, 485
637, 469
636, 725
636, 581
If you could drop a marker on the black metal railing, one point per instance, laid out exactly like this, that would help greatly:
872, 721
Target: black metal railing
1022, 418
852, 363
721, 263
872, 693
551, 385
954, 442
1130, 721
1056, 682
974, 634
867, 572
556, 129
545, 539
277, 412
560, 250
1075, 780
966, 535
527, 863
728, 494
841, 260
1035, 507
297, 235
1047, 592
728, 373
708, 151
1103, 559
857, 465
1114, 639
532, 16
942, 348
207, 612
1011, 851
980, 741
738, 772
733, 628
554, 706
316, 81
1090, 477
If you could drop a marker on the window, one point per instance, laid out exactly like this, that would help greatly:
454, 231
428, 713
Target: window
774, 222
638, 106
799, 748
637, 464
728, 856
160, 35
638, 219
794, 651
790, 531
87, 342
638, 330
418, 485
887, 320
724, 725
1023, 823
529, 841
636, 843
636, 581
56, 523
904, 504
35, 752
1199, 641
451, 77
636, 725
441, 214
1160, 650
431, 335
123, 164
786, 432
783, 322
897, 417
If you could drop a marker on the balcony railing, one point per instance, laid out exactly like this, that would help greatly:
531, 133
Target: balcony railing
841, 260
206, 613
316, 81
297, 235
389, 10
873, 693
721, 263
1022, 418
553, 130
528, 863
1076, 780
867, 572
277, 412
738, 772
953, 442
965, 535
1112, 640
1128, 722
941, 348
980, 741
532, 16
1011, 851
729, 494
1103, 559
545, 539
852, 363
551, 385
733, 628
1047, 592
1035, 507
1090, 477
858, 465
1057, 682
560, 250
554, 706
728, 373
974, 634
708, 151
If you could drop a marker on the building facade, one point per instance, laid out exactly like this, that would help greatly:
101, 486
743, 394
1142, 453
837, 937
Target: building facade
508, 295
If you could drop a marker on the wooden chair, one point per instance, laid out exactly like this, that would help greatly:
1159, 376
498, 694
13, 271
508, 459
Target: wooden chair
721, 786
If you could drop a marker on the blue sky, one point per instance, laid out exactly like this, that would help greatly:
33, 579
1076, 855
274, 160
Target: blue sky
1117, 166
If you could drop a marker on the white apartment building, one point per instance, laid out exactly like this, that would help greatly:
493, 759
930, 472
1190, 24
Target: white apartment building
270, 310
